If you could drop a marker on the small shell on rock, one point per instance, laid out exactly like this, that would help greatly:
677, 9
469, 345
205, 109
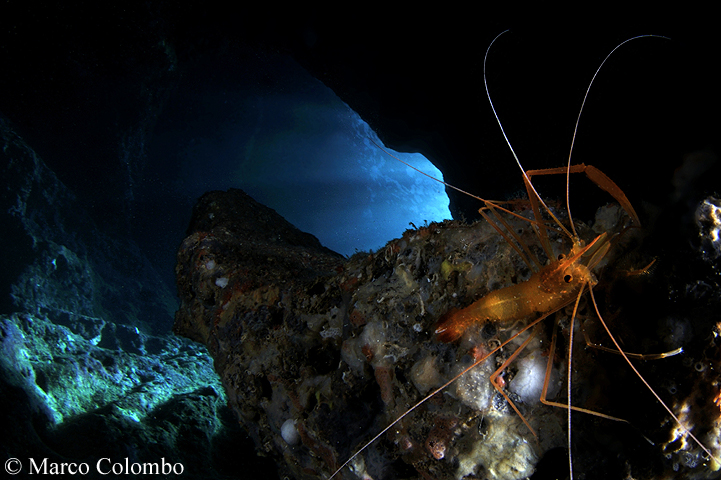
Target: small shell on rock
289, 432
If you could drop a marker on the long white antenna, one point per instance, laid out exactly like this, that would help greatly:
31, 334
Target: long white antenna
578, 119
488, 94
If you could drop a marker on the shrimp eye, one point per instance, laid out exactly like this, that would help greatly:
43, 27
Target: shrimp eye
561, 256
567, 278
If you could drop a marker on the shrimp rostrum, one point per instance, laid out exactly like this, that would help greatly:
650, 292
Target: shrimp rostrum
478, 388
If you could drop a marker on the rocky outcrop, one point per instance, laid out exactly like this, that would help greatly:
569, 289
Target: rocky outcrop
88, 368
318, 353
59, 263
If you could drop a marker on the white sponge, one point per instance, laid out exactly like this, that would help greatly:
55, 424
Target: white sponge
528, 382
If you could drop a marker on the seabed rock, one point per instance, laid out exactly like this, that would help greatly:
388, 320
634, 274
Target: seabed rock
318, 353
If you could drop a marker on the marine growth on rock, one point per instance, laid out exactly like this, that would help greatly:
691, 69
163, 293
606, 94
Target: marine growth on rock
318, 353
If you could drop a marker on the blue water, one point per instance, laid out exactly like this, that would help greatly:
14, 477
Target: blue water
294, 146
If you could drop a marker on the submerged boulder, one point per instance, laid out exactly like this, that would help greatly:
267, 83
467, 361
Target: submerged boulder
319, 353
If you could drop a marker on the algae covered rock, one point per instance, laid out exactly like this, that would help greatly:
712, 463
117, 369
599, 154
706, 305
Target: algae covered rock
319, 353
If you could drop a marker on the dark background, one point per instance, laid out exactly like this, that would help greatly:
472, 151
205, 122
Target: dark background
87, 85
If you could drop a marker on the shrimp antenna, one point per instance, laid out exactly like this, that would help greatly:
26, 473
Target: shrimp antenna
426, 174
578, 119
498, 120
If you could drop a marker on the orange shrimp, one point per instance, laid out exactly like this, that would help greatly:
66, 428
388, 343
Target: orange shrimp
551, 288
548, 290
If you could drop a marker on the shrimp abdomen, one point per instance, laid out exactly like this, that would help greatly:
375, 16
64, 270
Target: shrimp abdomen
500, 306
548, 290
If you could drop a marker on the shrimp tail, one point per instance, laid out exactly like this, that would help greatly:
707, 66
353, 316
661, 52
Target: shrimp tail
451, 325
